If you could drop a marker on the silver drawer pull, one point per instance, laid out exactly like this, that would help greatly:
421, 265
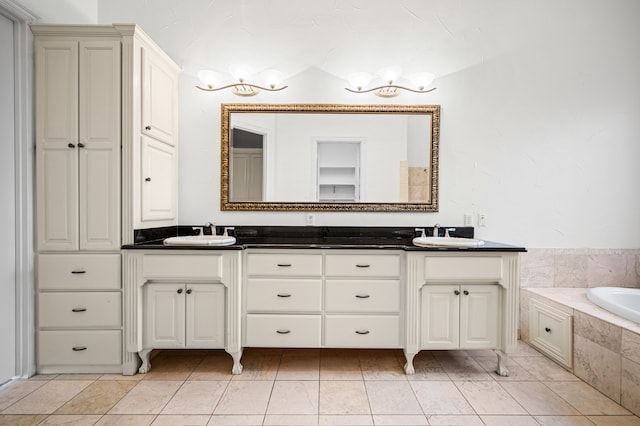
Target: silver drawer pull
362, 296
79, 348
78, 271
283, 331
284, 295
362, 332
284, 265
79, 310
362, 265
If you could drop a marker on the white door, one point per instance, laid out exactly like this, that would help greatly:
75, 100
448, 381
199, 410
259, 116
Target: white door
7, 218
158, 180
164, 315
159, 95
205, 315
440, 317
479, 317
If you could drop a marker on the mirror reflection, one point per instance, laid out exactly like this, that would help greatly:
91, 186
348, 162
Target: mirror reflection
329, 157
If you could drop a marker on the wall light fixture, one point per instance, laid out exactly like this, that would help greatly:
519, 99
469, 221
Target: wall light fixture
359, 80
214, 81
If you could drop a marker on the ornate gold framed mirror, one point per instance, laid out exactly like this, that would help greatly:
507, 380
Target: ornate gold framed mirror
325, 157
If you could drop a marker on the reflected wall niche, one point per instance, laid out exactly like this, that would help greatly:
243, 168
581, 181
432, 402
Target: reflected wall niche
329, 157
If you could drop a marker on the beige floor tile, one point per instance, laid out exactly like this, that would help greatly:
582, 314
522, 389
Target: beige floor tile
147, 397
294, 397
516, 372
122, 378
345, 420
196, 397
538, 399
77, 377
245, 398
21, 419
392, 397
427, 367
615, 420
213, 367
14, 391
489, 398
236, 420
563, 421
440, 398
398, 419
455, 420
97, 398
43, 377
340, 365
464, 368
509, 421
300, 364
259, 366
381, 365
524, 350
542, 368
126, 420
343, 398
290, 420
181, 420
586, 399
48, 397
71, 420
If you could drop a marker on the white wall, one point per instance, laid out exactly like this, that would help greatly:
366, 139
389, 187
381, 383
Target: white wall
539, 100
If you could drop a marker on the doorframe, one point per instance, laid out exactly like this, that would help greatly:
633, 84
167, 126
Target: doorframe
24, 158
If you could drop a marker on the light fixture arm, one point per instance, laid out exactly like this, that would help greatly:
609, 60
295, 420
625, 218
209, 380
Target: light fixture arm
255, 86
390, 86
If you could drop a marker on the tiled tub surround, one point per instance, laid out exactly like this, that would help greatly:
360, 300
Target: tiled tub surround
606, 348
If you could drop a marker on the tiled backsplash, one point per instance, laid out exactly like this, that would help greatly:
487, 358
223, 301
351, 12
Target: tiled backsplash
580, 268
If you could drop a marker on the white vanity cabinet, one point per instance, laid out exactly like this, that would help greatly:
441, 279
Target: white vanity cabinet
315, 298
459, 317
461, 300
181, 299
184, 316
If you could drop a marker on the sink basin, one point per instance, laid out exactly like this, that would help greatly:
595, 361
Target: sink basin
200, 240
447, 242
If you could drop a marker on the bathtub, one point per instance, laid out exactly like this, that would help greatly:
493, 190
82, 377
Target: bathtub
624, 302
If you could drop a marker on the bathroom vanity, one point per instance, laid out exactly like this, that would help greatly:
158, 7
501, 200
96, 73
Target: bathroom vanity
320, 287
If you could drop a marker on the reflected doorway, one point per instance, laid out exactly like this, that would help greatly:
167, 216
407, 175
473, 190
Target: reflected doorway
246, 165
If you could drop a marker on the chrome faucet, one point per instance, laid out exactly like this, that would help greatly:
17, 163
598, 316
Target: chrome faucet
436, 228
212, 226
446, 233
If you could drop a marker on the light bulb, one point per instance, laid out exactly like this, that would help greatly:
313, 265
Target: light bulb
272, 78
358, 80
239, 72
390, 74
421, 79
210, 78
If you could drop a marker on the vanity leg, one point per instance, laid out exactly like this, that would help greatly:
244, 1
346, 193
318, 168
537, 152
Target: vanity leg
237, 367
408, 367
502, 363
144, 356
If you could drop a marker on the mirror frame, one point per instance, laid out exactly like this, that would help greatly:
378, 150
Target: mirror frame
225, 138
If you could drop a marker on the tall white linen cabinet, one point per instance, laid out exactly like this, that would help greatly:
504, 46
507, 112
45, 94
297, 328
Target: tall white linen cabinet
106, 164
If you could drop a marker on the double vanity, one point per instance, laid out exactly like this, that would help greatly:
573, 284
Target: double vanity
318, 287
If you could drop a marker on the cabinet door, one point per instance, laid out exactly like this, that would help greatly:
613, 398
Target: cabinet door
56, 83
99, 145
440, 317
159, 98
158, 180
164, 324
205, 316
479, 317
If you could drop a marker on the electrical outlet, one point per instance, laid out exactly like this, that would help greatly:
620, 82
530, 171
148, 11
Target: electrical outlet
311, 219
482, 219
468, 219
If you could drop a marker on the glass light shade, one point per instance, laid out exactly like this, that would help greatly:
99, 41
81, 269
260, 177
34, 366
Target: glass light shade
210, 78
272, 78
359, 80
390, 73
421, 79
240, 72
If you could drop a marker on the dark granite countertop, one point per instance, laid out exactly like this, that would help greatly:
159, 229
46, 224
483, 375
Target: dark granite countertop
311, 237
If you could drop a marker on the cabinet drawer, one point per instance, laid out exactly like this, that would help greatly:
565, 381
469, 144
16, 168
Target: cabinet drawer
79, 310
79, 271
362, 296
551, 331
345, 331
363, 265
463, 268
182, 266
284, 295
284, 264
292, 331
95, 347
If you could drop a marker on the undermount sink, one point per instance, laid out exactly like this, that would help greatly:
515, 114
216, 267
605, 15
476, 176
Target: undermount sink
447, 242
200, 240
